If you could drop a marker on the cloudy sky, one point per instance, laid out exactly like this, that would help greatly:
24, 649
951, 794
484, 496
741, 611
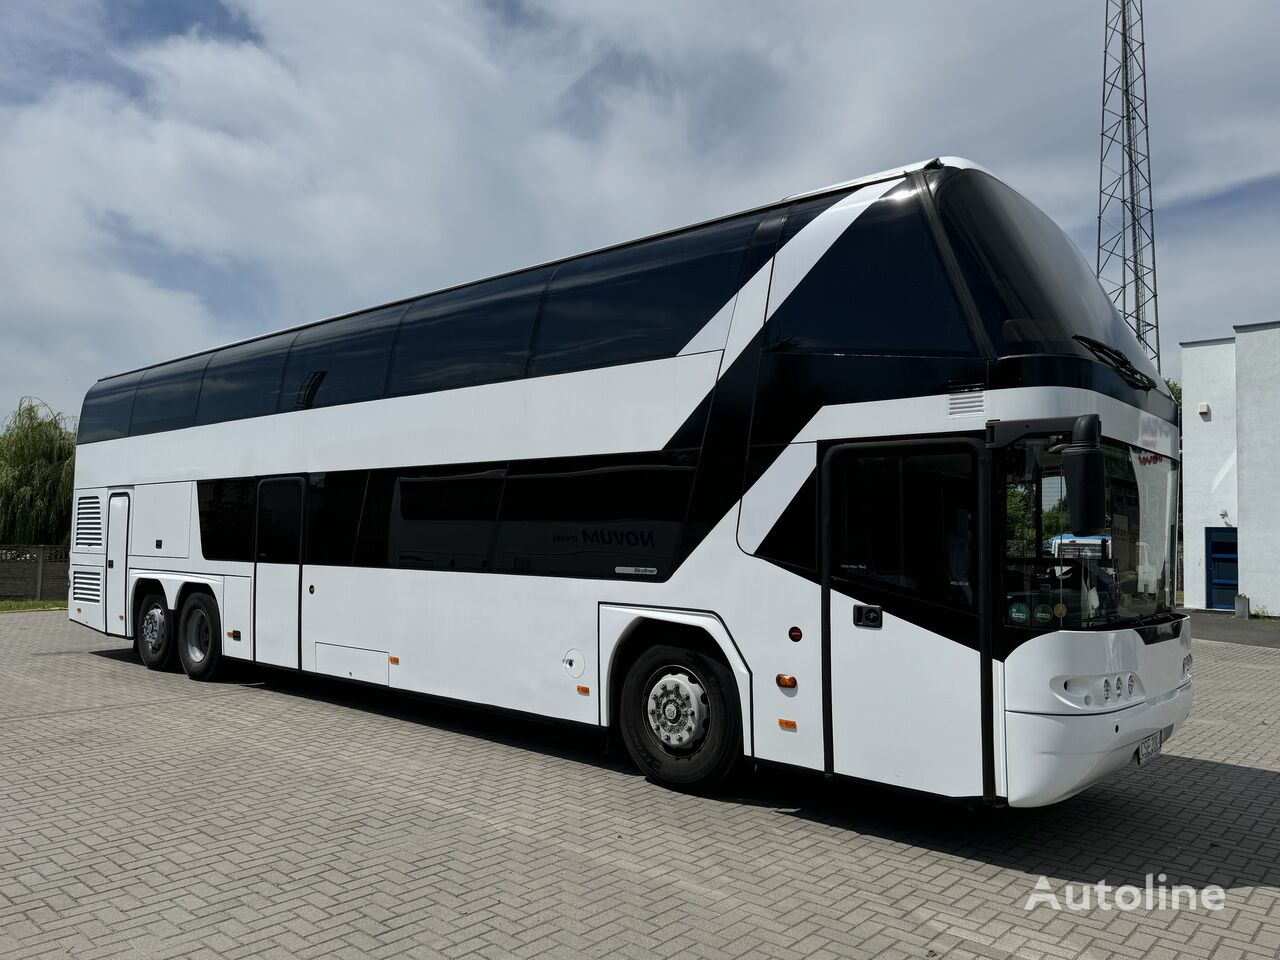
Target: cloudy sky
176, 174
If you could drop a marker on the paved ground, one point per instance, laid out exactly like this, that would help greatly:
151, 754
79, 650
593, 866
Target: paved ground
1223, 626
145, 815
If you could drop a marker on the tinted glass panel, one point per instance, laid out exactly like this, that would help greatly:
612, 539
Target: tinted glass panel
107, 408
430, 518
334, 501
880, 288
641, 302
1032, 287
595, 516
279, 521
479, 334
243, 381
166, 398
343, 361
906, 526
226, 518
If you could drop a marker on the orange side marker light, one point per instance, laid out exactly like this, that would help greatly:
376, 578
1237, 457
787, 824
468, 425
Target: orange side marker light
584, 690
393, 660
786, 681
786, 724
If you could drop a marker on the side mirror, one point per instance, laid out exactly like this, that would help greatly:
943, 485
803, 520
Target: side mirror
1083, 471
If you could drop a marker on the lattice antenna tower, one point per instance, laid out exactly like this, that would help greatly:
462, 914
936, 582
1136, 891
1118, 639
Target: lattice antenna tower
1126, 263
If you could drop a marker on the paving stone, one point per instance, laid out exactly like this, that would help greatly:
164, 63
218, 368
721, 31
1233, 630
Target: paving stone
277, 816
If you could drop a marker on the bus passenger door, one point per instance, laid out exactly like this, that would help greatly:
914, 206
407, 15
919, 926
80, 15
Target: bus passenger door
117, 573
277, 571
901, 584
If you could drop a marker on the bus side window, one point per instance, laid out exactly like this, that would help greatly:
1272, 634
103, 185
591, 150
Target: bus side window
640, 302
340, 362
905, 525
881, 288
473, 335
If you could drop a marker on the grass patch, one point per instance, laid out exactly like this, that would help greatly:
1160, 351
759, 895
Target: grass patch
10, 606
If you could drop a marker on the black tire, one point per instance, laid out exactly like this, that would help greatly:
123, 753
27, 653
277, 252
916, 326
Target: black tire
688, 750
154, 632
199, 637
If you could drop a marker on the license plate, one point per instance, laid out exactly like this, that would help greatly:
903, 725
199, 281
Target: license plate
1149, 748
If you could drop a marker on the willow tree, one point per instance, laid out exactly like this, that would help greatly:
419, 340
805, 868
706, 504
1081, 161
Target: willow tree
37, 475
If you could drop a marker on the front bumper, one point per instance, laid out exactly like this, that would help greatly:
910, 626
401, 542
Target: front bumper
1051, 757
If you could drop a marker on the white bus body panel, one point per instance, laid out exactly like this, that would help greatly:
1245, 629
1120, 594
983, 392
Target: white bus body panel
275, 614
236, 610
626, 408
162, 521
906, 705
1057, 743
117, 579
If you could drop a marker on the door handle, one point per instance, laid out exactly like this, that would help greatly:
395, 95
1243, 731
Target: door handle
111, 564
872, 618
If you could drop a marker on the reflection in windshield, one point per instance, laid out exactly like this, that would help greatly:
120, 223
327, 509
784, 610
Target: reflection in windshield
1054, 579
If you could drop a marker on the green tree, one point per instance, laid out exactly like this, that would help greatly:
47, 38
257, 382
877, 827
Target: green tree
37, 475
1175, 389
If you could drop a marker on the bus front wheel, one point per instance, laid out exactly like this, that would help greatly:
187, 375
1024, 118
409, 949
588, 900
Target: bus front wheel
680, 718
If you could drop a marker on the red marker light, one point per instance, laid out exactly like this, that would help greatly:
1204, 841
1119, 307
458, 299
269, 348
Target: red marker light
795, 634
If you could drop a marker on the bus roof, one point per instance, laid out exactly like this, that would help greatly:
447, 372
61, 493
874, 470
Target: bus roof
890, 174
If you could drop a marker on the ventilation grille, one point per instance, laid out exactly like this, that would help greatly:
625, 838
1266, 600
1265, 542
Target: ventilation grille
970, 403
86, 586
88, 522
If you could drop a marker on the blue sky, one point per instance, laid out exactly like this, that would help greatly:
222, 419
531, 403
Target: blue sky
181, 174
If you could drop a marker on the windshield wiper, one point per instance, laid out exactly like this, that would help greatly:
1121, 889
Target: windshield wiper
1116, 358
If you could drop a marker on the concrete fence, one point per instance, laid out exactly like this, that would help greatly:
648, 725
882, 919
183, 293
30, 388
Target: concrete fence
33, 572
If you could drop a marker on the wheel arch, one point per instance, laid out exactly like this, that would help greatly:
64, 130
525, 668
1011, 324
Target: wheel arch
195, 586
175, 587
626, 631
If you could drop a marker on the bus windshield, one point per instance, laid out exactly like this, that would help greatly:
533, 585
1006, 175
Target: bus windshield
1055, 580
1033, 289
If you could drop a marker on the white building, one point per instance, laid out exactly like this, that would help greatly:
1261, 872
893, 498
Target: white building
1231, 469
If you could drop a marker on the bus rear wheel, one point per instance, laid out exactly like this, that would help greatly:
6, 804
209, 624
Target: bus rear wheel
154, 632
680, 718
200, 637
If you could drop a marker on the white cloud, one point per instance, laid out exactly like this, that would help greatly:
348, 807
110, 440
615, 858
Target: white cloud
164, 195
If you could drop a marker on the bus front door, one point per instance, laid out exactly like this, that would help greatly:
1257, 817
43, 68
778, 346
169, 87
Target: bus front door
901, 587
277, 572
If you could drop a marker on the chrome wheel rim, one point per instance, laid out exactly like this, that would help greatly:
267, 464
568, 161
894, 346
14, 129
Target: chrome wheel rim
153, 628
199, 637
677, 709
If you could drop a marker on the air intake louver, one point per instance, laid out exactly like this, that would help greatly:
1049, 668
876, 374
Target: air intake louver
86, 586
88, 522
969, 403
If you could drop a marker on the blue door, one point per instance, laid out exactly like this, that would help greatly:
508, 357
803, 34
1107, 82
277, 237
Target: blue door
1221, 565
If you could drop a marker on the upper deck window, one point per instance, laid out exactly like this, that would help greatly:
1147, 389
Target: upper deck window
1033, 289
640, 302
243, 381
340, 362
107, 408
473, 335
880, 288
166, 398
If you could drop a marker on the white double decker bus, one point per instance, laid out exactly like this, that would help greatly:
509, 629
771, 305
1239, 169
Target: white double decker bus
769, 487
